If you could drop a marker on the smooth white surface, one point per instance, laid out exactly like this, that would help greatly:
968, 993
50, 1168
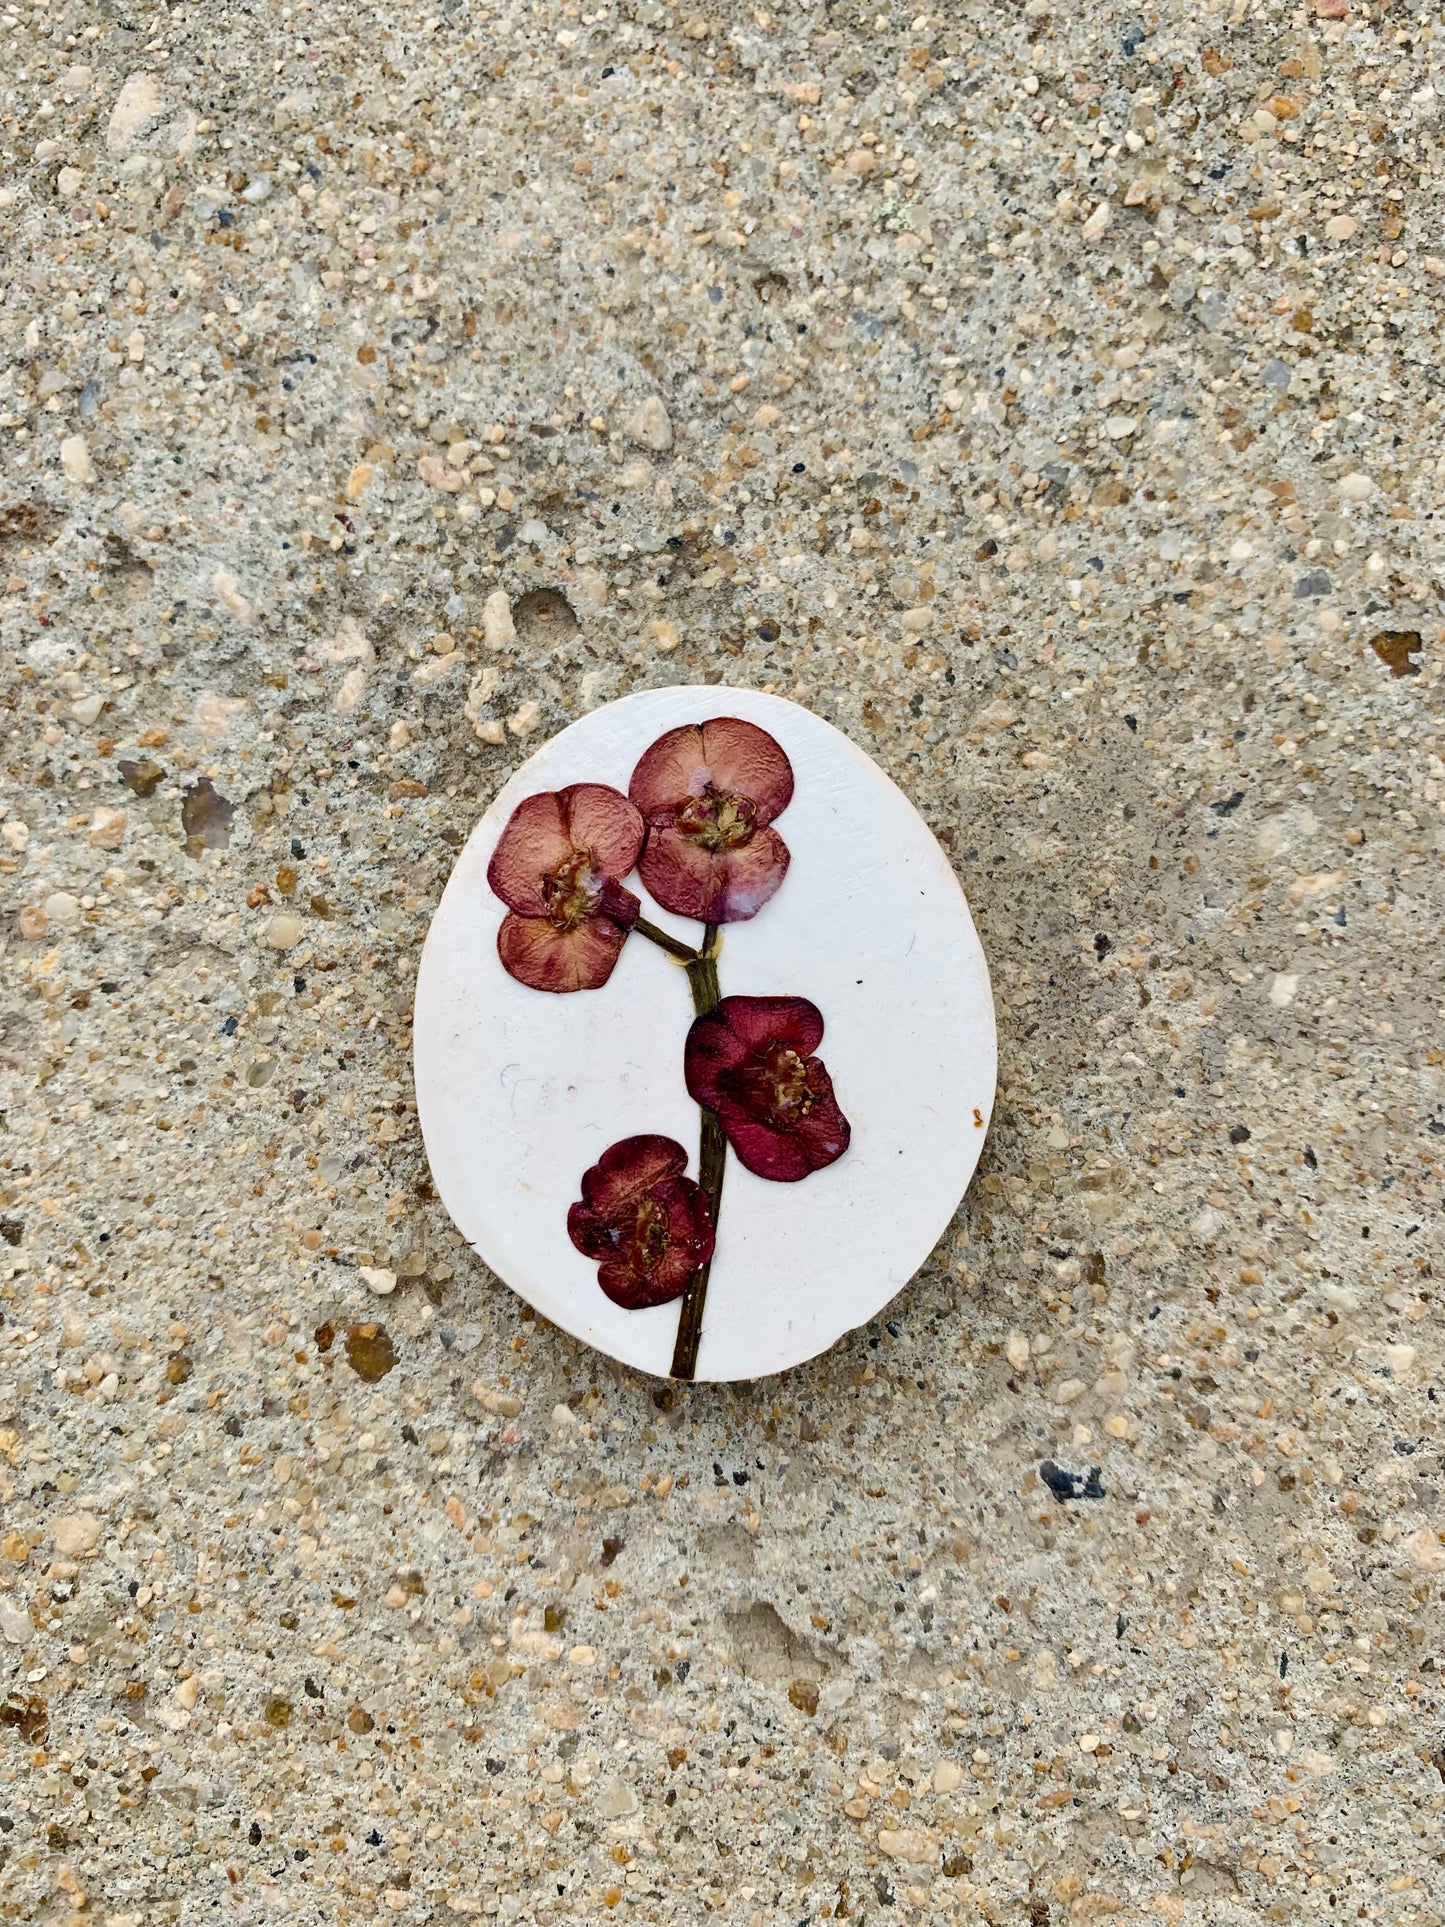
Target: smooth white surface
519, 1091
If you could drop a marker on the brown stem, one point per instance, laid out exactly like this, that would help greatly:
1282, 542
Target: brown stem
664, 942
712, 1160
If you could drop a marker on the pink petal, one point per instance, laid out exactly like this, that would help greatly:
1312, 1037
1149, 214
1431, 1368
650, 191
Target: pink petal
603, 822
626, 1171
740, 1026
534, 843
746, 761
538, 954
671, 773
725, 886
724, 754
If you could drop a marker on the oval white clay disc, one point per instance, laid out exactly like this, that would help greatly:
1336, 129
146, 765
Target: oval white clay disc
520, 1091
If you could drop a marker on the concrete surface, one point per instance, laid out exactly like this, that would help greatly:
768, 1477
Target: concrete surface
1050, 398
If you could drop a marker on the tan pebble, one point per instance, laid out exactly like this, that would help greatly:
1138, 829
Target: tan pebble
857, 1809
862, 161
216, 715
460, 453
138, 101
227, 588
435, 472
33, 923
765, 415
284, 1469
915, 621
663, 635
1098, 222
1117, 1426
504, 1404
1016, 1350
524, 720
76, 1534
1088, 1742
393, 1598
1427, 1549
76, 462
1340, 227
351, 692
87, 710
490, 731
1066, 1393
916, 1845
358, 481
947, 1776
189, 1691
696, 28
498, 629
1355, 487
282, 932
377, 1278
107, 828
650, 427
583, 1656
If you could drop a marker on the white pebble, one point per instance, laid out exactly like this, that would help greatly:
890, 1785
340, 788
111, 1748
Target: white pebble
75, 460
377, 1278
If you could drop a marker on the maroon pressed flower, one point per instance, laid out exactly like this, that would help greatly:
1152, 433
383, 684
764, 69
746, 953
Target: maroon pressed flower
648, 1225
557, 868
751, 1062
708, 793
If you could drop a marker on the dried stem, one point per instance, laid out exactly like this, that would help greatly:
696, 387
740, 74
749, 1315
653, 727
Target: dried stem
670, 944
712, 1160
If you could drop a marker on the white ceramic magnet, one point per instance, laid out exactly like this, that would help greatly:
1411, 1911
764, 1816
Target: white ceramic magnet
522, 1090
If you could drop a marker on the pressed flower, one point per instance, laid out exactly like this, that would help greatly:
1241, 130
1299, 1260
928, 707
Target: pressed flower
751, 1063
557, 869
708, 792
647, 1224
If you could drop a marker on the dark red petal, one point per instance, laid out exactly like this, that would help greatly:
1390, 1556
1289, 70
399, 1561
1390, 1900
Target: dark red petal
689, 1244
670, 773
810, 1144
738, 1027
602, 821
636, 1291
689, 1221
593, 1236
534, 843
629, 1169
538, 954
745, 761
726, 886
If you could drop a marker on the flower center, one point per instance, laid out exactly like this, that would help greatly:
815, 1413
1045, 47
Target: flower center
650, 1237
571, 891
717, 819
773, 1084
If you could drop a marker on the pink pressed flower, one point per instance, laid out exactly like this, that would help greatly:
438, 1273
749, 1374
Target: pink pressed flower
750, 1062
708, 793
647, 1223
557, 868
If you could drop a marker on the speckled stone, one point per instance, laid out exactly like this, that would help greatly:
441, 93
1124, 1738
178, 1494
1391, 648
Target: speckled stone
1048, 398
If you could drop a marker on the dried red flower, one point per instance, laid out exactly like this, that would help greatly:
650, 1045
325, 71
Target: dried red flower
648, 1224
751, 1062
557, 868
708, 793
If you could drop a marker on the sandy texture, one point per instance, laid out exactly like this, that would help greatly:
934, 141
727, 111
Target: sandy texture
1050, 398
